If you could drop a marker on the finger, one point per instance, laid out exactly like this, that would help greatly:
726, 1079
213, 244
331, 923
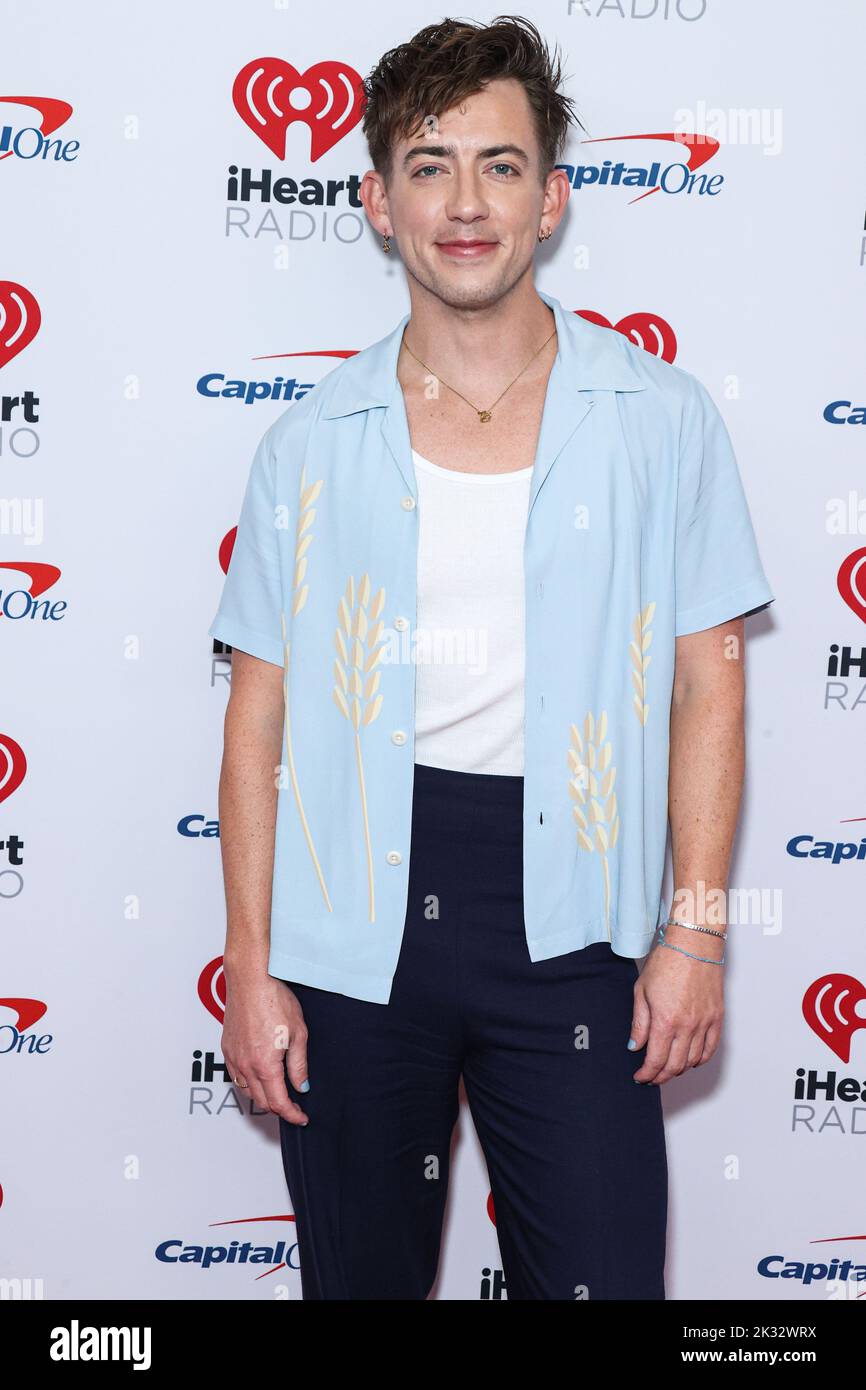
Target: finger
676, 1060
253, 1087
296, 1059
640, 1019
659, 1045
247, 1078
696, 1047
234, 1072
277, 1099
713, 1038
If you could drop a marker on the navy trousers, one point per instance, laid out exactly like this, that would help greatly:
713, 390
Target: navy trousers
575, 1148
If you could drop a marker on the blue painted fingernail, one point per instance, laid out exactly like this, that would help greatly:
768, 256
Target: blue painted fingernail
632, 1044
304, 1086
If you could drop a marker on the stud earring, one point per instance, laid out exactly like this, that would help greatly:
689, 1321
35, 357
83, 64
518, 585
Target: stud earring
542, 236
386, 245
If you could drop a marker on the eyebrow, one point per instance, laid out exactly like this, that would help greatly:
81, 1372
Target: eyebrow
449, 151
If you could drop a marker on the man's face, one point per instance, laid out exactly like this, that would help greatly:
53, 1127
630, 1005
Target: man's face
466, 200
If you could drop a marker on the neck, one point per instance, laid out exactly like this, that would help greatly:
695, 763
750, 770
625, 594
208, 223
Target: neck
479, 346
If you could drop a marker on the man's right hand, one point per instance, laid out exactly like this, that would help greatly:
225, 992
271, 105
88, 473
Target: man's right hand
263, 1024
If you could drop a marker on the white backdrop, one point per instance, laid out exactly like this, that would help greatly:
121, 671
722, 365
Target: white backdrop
119, 472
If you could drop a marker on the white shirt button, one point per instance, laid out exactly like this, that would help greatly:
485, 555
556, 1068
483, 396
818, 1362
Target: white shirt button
398, 736
401, 624
408, 503
394, 856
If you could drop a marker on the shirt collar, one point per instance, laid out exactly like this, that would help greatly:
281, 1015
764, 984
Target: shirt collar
592, 359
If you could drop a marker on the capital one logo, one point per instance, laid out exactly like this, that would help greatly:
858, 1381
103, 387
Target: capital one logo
19, 319
677, 178
648, 331
851, 582
830, 1007
269, 95
42, 577
14, 1037
32, 141
26, 1011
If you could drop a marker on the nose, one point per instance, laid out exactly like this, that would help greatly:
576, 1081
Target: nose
466, 197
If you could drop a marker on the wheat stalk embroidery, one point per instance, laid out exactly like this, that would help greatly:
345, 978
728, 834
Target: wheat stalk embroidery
303, 541
360, 630
591, 789
638, 648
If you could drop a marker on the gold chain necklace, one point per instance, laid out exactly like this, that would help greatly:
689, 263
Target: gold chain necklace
483, 415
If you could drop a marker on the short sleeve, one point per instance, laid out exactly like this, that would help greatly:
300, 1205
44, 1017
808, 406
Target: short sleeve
249, 616
717, 563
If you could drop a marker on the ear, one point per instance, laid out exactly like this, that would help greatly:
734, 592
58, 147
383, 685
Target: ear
557, 191
375, 202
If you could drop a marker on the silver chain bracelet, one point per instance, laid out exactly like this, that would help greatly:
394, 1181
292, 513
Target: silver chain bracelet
692, 926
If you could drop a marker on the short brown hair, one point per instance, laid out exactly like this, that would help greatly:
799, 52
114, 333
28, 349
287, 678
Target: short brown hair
453, 59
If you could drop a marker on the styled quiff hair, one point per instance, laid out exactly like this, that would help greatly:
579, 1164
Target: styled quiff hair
454, 59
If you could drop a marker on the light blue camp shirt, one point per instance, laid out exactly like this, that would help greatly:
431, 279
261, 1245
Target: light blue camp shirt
638, 531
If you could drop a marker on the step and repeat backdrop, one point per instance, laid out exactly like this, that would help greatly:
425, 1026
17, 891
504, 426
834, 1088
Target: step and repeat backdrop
179, 263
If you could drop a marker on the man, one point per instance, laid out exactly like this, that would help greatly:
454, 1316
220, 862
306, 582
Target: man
460, 858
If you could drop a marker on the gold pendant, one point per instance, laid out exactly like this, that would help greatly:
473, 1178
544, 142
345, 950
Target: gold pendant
484, 416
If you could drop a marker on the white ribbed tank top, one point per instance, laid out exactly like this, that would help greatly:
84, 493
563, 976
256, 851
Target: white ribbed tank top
469, 641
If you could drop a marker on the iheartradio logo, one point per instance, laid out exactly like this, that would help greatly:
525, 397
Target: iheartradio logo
227, 545
212, 988
851, 582
20, 319
830, 1009
13, 766
269, 95
648, 331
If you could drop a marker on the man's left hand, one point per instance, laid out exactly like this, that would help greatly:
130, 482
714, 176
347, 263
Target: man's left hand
678, 1005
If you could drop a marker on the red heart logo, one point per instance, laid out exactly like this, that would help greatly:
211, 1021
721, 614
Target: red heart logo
851, 582
226, 550
19, 319
830, 1009
13, 766
269, 94
212, 988
647, 331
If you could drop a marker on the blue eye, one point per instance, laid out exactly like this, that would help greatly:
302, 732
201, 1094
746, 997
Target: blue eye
509, 169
